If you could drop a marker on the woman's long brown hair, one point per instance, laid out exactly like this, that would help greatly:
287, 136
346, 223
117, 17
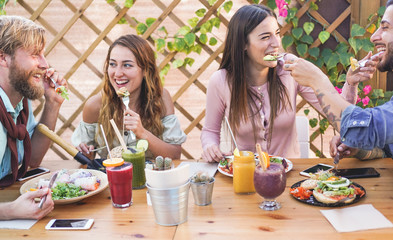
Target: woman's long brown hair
243, 106
150, 106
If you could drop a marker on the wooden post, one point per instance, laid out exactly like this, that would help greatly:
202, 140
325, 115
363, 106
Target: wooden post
360, 11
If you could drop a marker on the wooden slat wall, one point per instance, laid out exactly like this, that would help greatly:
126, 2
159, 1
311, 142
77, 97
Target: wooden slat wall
97, 21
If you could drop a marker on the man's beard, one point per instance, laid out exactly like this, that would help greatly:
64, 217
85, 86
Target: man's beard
387, 64
20, 81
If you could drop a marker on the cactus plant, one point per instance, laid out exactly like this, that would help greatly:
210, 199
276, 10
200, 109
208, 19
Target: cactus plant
202, 177
163, 164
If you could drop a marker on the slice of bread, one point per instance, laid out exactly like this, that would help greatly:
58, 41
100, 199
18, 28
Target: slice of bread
309, 184
326, 199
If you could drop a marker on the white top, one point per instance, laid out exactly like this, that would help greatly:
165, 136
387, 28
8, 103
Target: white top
86, 132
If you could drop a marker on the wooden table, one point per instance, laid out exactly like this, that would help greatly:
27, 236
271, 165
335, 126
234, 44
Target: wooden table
230, 216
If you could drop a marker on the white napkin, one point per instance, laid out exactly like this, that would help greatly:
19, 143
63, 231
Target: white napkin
210, 168
148, 199
361, 217
17, 224
169, 178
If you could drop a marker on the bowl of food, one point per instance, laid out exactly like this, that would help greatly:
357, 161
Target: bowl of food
71, 185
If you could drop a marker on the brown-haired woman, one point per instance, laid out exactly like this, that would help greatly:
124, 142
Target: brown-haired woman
130, 63
258, 96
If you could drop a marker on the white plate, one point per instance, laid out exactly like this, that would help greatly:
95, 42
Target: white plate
100, 175
289, 168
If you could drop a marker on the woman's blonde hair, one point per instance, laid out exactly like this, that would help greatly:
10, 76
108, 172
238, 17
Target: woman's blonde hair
18, 32
150, 106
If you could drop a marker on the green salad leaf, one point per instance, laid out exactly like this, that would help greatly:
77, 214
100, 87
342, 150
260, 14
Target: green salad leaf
66, 191
275, 160
63, 92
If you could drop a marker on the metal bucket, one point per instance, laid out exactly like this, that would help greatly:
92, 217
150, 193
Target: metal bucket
170, 205
202, 192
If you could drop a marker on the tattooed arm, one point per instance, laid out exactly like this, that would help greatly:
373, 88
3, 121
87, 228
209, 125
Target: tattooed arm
307, 74
336, 146
370, 154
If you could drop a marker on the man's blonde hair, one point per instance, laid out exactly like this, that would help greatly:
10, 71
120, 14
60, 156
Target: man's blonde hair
18, 32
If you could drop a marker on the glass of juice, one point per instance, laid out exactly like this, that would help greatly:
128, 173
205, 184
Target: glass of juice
270, 183
136, 156
243, 173
120, 184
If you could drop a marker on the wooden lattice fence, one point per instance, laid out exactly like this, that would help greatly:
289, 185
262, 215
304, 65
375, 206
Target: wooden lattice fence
79, 33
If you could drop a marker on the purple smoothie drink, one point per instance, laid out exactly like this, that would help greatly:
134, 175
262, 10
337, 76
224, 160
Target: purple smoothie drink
270, 184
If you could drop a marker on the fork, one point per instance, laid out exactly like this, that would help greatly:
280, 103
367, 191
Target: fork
363, 63
280, 56
51, 182
336, 160
54, 82
126, 101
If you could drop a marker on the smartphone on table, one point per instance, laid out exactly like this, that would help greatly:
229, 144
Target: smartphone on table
69, 224
33, 173
357, 172
314, 169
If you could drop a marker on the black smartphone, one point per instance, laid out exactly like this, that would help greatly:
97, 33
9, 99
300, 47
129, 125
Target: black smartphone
357, 172
33, 173
314, 169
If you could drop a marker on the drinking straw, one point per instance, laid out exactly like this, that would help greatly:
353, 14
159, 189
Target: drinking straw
259, 150
106, 142
122, 143
230, 131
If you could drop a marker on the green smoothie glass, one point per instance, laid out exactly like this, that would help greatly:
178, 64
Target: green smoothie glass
136, 156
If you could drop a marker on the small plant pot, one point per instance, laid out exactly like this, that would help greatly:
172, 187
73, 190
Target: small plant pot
202, 192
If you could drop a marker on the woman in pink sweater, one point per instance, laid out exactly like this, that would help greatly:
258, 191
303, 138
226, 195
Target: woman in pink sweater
258, 96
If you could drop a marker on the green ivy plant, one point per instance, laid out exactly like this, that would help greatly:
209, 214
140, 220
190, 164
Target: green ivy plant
189, 38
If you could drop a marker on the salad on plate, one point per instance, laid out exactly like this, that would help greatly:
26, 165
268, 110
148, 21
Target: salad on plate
71, 185
225, 166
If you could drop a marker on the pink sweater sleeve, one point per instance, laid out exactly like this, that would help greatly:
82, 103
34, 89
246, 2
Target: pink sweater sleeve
215, 109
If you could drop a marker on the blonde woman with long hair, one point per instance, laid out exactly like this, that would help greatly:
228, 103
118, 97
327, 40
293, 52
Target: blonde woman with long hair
130, 63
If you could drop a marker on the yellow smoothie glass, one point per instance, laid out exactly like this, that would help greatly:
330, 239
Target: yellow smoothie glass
243, 172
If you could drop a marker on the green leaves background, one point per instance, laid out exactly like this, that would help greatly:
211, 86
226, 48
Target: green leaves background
188, 39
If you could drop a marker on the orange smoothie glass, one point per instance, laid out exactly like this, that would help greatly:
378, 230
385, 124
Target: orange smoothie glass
243, 173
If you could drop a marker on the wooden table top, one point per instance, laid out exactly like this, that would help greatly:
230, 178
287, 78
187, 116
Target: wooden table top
230, 216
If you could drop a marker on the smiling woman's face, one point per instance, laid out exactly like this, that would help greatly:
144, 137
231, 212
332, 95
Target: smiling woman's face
123, 70
264, 40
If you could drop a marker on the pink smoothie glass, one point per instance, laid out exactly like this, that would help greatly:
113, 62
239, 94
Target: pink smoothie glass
120, 184
270, 183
